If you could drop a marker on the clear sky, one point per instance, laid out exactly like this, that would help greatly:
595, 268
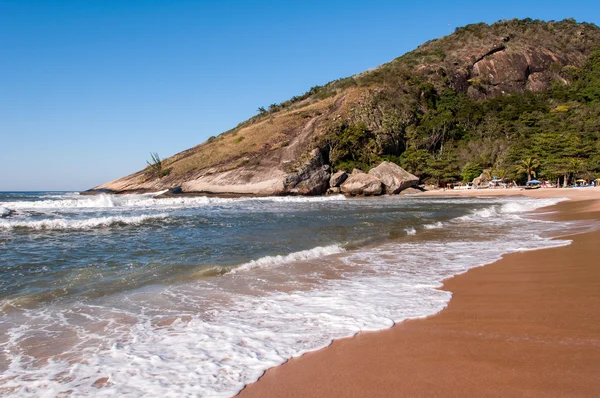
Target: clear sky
88, 88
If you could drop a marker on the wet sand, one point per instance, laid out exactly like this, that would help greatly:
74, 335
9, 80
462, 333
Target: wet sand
525, 326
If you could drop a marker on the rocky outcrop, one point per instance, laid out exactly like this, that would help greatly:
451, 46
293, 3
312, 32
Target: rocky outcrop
483, 179
393, 177
337, 178
505, 70
312, 179
362, 184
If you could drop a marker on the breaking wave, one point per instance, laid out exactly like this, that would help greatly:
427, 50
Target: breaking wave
5, 212
90, 223
434, 225
510, 208
269, 261
149, 200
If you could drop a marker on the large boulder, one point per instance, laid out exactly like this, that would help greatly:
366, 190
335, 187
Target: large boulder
311, 179
483, 179
362, 184
337, 179
393, 177
315, 183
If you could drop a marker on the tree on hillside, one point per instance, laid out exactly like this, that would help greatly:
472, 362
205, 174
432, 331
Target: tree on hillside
575, 166
471, 171
528, 165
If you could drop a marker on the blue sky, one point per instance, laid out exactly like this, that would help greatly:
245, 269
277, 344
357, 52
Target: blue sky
89, 88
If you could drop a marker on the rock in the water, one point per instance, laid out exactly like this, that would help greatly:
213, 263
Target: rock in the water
393, 177
312, 179
333, 190
362, 184
338, 178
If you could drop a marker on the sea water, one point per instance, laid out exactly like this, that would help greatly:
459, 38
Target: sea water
130, 295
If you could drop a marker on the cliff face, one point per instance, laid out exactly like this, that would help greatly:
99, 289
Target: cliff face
291, 148
511, 71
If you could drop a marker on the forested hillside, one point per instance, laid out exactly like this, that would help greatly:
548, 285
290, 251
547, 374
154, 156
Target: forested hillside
449, 136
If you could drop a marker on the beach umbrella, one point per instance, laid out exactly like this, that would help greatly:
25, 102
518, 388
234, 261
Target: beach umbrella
533, 182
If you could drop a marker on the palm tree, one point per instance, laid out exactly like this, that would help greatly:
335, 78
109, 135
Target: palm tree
155, 165
575, 166
529, 166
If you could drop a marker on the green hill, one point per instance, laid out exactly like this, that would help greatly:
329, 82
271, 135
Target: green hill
487, 97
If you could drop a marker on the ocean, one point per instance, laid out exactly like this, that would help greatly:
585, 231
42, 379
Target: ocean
130, 295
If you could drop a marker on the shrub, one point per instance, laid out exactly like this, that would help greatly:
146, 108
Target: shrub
155, 166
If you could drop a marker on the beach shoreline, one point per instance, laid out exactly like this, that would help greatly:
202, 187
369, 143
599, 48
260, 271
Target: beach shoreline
526, 325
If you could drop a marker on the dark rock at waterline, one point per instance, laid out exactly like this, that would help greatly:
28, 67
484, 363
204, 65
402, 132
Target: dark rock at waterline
311, 179
98, 191
315, 184
393, 177
337, 179
362, 184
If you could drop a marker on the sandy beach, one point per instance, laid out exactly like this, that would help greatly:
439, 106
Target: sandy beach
527, 325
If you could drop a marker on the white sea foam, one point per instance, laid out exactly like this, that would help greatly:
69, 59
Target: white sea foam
411, 231
5, 211
270, 261
89, 223
301, 199
434, 225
